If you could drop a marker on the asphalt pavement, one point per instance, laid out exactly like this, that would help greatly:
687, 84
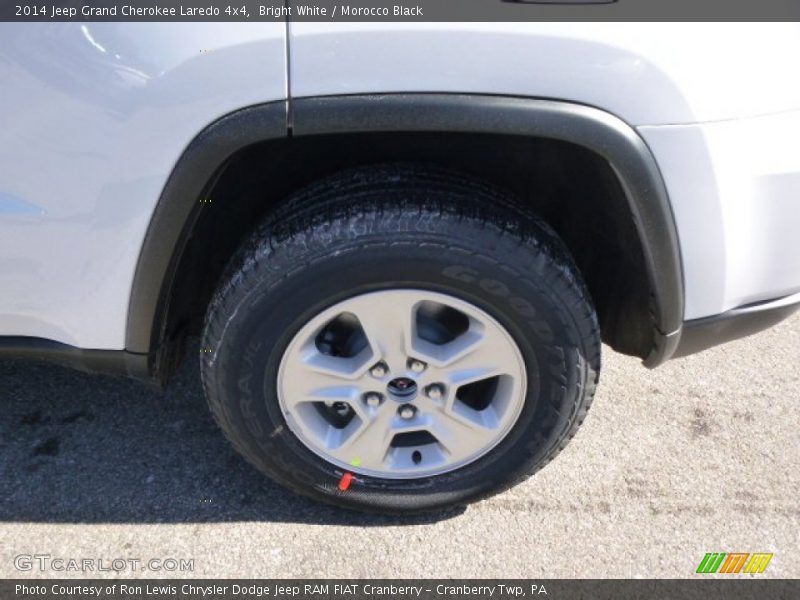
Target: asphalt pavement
700, 455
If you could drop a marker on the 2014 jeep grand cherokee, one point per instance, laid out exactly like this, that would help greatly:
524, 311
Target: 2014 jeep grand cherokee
401, 244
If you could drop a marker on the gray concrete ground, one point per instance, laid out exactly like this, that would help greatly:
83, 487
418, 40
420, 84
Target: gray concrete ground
700, 455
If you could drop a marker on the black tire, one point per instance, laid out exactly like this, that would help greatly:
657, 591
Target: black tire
400, 226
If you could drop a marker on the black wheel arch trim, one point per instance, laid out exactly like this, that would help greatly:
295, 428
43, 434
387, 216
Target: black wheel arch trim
592, 128
177, 210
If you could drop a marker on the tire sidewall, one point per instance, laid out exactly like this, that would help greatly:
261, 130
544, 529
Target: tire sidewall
271, 310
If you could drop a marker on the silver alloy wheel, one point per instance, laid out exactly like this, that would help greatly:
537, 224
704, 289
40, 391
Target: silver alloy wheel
401, 384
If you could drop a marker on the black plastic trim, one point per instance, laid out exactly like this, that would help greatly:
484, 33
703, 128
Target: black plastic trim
108, 362
178, 208
597, 130
702, 334
589, 127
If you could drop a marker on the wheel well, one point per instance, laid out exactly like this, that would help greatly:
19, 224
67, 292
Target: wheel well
572, 188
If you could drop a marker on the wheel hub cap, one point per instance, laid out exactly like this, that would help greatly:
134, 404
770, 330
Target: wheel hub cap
402, 389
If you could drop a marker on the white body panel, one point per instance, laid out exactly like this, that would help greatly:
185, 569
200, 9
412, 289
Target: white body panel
92, 119
645, 73
94, 116
735, 190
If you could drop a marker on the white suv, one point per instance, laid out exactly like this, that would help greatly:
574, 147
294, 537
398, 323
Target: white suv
401, 244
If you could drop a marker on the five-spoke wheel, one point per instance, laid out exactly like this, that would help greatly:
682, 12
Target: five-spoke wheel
401, 383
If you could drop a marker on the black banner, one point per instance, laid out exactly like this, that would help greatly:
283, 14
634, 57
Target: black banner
732, 588
399, 10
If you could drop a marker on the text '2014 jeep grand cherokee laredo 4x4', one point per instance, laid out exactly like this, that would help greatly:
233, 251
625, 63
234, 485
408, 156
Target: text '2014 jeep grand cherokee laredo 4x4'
402, 244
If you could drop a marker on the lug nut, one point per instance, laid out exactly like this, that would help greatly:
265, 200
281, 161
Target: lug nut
417, 366
372, 399
435, 392
340, 408
407, 411
378, 371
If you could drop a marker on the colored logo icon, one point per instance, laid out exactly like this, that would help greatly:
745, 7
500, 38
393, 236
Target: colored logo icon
734, 562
